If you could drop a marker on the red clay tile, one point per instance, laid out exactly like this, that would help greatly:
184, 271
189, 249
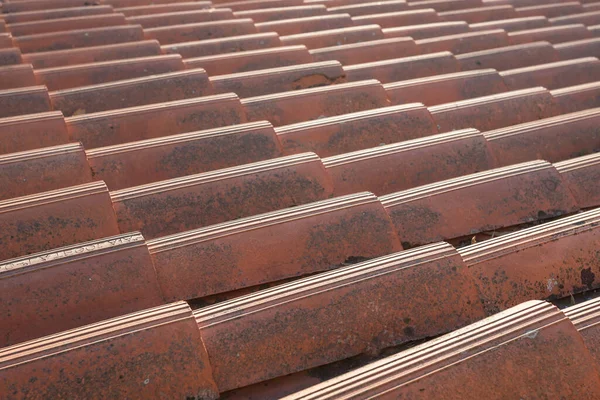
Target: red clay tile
220, 46
276, 14
10, 56
500, 357
445, 5
548, 261
382, 302
275, 80
57, 218
400, 18
42, 15
464, 42
27, 100
134, 3
163, 119
400, 69
578, 49
551, 10
582, 175
306, 25
68, 287
66, 24
404, 165
291, 107
374, 50
246, 5
200, 31
70, 76
181, 17
152, 160
427, 30
38, 5
553, 139
357, 131
251, 60
79, 38
584, 317
377, 7
480, 202
32, 131
2, 25
440, 89
587, 18
577, 98
553, 34
512, 24
554, 75
335, 37
16, 76
150, 9
522, 3
270, 247
591, 7
86, 55
195, 201
44, 169
155, 352
335, 3
594, 30
5, 40
509, 57
495, 111
151, 89
480, 14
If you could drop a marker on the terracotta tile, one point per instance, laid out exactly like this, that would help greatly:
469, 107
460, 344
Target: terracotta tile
370, 299
275, 80
553, 139
200, 31
584, 317
587, 18
246, 5
306, 25
548, 261
41, 15
479, 202
591, 6
159, 88
377, 7
522, 3
158, 350
400, 18
594, 30
38, 5
152, 160
219, 46
477, 361
5, 40
554, 75
290, 107
16, 76
57, 218
85, 55
150, 9
194, 201
32, 131
551, 10
400, 69
276, 14
68, 287
163, 119
404, 165
445, 5
554, 34
578, 49
66, 24
134, 3
427, 30
577, 98
79, 38
71, 76
464, 42
269, 247
480, 14
582, 175
251, 60
357, 131
335, 3
44, 169
509, 57
335, 37
447, 88
495, 111
512, 24
181, 17
374, 50
27, 100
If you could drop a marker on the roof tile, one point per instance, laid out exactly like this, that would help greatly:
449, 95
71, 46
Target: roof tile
32, 131
25, 100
